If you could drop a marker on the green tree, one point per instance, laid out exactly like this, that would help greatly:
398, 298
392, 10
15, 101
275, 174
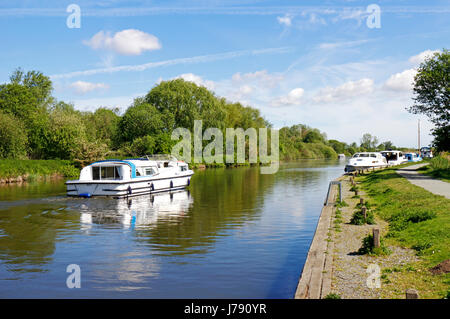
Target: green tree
13, 139
339, 147
66, 135
181, 102
140, 119
369, 142
102, 125
432, 96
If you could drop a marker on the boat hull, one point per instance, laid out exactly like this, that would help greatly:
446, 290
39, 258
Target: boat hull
352, 168
134, 187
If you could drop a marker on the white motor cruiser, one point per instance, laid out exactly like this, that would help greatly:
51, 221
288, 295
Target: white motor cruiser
394, 157
131, 177
365, 160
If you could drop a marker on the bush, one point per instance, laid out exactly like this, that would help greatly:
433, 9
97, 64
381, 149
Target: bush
368, 248
66, 136
143, 145
358, 218
401, 220
13, 139
421, 247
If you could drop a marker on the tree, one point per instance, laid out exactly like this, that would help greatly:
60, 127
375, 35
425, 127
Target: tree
13, 139
140, 119
66, 136
181, 102
339, 147
369, 142
102, 125
432, 96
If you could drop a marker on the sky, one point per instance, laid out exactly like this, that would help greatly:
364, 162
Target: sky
345, 67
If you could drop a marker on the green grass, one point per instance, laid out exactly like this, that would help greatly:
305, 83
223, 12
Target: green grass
37, 168
417, 218
439, 167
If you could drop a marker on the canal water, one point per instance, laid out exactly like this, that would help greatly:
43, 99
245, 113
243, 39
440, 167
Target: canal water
234, 234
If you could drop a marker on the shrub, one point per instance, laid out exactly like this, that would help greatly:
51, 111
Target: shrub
369, 249
13, 139
422, 246
358, 218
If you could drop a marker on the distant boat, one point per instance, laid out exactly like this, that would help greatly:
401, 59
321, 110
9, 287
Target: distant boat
365, 160
426, 152
131, 177
394, 157
413, 157
341, 156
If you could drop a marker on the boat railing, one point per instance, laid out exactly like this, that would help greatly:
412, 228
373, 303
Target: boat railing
159, 157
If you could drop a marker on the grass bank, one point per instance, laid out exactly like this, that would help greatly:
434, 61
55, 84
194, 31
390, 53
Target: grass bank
29, 170
418, 220
439, 167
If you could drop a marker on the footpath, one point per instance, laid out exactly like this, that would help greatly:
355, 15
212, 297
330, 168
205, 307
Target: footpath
432, 185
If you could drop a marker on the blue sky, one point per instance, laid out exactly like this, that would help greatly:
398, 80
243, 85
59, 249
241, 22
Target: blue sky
310, 62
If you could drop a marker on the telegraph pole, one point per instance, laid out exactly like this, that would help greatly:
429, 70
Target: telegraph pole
418, 134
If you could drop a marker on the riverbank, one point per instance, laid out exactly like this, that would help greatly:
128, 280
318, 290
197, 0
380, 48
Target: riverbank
18, 171
414, 226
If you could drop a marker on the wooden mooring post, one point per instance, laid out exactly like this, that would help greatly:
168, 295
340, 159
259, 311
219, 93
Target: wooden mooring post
364, 211
376, 237
412, 294
361, 201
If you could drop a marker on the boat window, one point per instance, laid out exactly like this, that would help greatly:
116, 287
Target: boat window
183, 168
105, 172
108, 172
373, 155
95, 173
149, 171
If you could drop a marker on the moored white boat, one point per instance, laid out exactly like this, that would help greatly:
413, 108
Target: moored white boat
131, 177
413, 157
394, 157
426, 152
365, 160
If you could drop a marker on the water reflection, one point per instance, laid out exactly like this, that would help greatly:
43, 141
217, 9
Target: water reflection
140, 211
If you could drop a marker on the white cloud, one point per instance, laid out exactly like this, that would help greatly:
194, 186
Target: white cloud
210, 85
126, 42
261, 78
81, 87
292, 98
345, 91
401, 81
334, 45
286, 20
190, 60
419, 58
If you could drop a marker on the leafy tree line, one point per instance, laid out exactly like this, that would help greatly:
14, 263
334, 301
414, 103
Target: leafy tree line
34, 125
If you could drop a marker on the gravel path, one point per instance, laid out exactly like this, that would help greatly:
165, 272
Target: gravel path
432, 185
349, 275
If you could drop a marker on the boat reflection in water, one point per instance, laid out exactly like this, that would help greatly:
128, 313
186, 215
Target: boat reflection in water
139, 211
